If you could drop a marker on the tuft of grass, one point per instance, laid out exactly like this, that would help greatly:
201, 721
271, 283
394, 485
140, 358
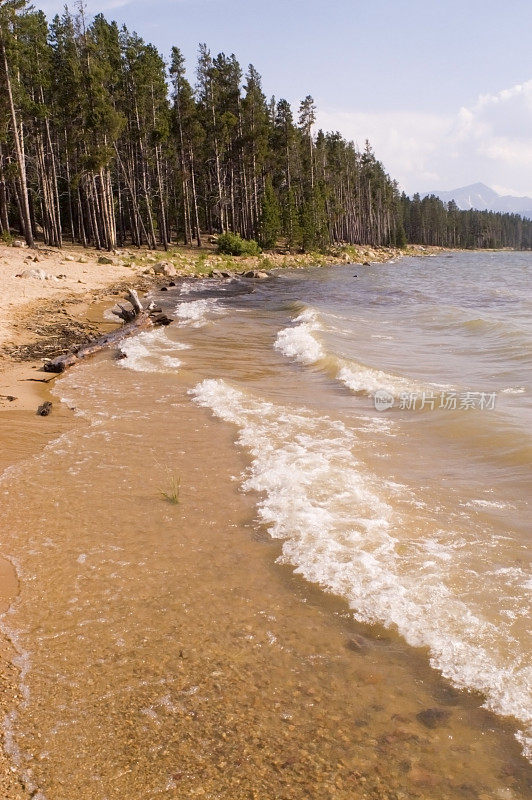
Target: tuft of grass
266, 263
172, 492
200, 266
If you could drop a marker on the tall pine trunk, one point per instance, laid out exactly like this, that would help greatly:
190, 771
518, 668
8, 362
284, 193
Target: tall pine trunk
19, 150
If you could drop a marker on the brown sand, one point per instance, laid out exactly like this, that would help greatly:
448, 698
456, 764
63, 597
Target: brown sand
39, 319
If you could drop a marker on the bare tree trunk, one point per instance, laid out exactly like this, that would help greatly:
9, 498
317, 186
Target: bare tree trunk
195, 198
4, 216
58, 232
19, 150
163, 233
132, 195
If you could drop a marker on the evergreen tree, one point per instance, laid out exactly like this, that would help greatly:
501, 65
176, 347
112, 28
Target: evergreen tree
270, 224
94, 146
291, 222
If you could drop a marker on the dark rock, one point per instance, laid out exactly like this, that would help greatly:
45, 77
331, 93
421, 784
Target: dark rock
162, 319
432, 717
105, 260
355, 276
172, 283
119, 355
45, 409
366, 264
250, 274
164, 288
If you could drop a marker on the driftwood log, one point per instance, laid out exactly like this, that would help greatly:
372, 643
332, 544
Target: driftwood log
130, 314
136, 319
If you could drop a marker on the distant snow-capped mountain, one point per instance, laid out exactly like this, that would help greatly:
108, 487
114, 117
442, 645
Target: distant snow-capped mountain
481, 197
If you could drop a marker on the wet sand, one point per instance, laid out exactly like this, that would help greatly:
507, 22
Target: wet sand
185, 662
218, 672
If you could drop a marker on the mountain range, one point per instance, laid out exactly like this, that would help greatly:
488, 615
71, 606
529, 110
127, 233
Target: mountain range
481, 197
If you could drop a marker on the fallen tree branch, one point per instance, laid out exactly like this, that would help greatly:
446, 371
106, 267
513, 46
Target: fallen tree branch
62, 363
129, 314
136, 319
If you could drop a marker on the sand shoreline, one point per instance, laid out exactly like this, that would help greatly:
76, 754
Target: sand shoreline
72, 304
37, 315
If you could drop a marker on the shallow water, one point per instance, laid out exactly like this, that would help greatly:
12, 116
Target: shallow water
171, 650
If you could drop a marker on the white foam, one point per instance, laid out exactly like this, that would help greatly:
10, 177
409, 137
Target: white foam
481, 503
151, 351
195, 286
363, 379
196, 313
299, 342
513, 390
337, 528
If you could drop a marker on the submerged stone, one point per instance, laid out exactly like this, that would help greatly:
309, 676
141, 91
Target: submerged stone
432, 717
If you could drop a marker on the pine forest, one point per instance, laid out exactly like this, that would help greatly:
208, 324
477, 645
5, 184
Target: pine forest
103, 142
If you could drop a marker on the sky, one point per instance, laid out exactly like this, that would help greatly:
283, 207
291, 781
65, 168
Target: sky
441, 88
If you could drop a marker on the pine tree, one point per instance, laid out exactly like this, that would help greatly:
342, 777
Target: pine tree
307, 118
270, 223
94, 146
291, 222
256, 127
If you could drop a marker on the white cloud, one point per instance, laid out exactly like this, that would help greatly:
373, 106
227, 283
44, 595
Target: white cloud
490, 141
407, 142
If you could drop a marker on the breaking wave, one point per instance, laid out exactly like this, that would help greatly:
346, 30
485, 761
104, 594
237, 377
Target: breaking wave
151, 351
337, 523
300, 341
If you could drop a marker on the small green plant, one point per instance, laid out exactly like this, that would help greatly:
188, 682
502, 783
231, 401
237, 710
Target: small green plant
6, 237
232, 244
172, 492
266, 263
200, 264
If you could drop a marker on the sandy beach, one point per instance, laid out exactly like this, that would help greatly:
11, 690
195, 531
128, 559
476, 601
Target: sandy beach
254, 683
265, 402
44, 317
33, 313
